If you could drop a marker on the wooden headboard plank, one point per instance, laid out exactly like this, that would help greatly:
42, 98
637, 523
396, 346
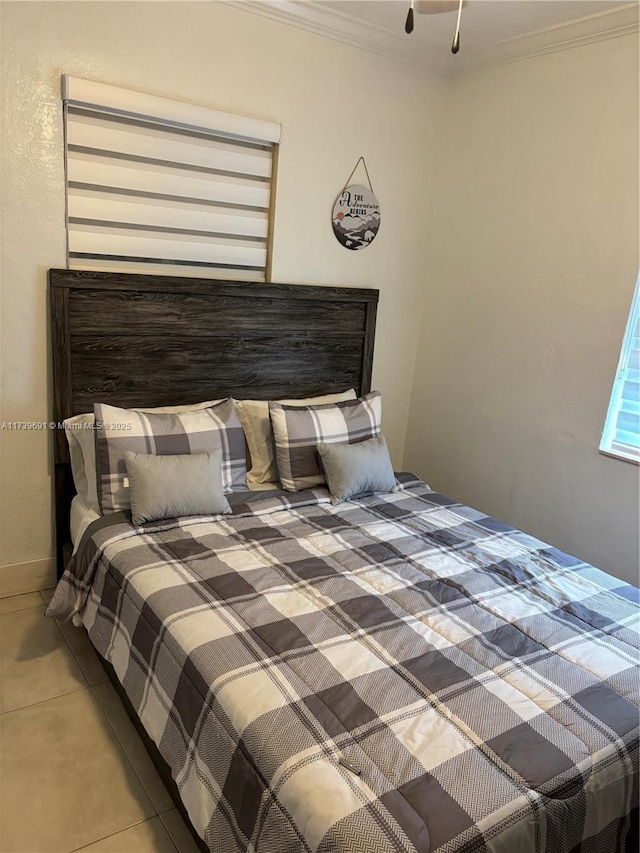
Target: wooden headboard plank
95, 280
148, 340
367, 351
61, 341
147, 313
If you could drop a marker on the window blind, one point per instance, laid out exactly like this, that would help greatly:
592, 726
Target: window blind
157, 185
621, 435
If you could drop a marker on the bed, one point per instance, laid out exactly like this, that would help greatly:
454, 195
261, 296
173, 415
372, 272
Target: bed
395, 673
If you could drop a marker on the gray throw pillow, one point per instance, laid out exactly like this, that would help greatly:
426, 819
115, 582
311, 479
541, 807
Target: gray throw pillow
173, 486
352, 469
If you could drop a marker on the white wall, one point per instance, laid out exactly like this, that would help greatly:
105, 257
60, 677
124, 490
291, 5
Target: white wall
526, 299
335, 103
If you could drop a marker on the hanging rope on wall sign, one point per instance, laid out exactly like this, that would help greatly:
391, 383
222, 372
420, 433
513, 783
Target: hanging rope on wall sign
356, 213
364, 163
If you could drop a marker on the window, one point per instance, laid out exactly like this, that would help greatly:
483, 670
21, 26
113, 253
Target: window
157, 185
621, 436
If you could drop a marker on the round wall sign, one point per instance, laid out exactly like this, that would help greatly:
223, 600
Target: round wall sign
356, 217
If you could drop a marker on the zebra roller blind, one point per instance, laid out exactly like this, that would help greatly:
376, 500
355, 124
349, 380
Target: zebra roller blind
157, 185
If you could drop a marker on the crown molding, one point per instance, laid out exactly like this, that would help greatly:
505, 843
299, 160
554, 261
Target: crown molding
601, 26
338, 26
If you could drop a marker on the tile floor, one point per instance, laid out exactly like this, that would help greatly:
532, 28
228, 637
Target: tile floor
74, 774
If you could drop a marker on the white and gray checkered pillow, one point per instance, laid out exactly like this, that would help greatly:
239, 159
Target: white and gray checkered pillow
121, 430
298, 430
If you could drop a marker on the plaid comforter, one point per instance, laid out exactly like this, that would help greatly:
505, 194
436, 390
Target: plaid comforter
397, 673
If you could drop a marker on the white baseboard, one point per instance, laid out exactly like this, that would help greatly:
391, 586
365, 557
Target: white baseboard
18, 578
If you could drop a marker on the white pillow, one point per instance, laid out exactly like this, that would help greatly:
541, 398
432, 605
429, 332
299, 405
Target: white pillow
80, 434
255, 420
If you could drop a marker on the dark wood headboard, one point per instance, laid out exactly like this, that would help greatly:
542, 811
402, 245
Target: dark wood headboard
151, 340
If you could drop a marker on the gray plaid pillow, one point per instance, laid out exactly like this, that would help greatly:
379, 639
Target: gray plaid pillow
121, 430
298, 430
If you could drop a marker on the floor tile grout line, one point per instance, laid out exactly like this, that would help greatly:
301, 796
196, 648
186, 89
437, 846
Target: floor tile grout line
44, 701
73, 654
126, 828
84, 686
90, 687
164, 823
122, 747
104, 713
25, 592
67, 646
18, 594
111, 834
20, 609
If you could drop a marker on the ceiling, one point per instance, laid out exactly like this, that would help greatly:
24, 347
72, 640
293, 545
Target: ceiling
484, 21
492, 31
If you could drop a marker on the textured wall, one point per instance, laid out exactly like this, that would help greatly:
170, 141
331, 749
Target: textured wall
335, 103
527, 296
